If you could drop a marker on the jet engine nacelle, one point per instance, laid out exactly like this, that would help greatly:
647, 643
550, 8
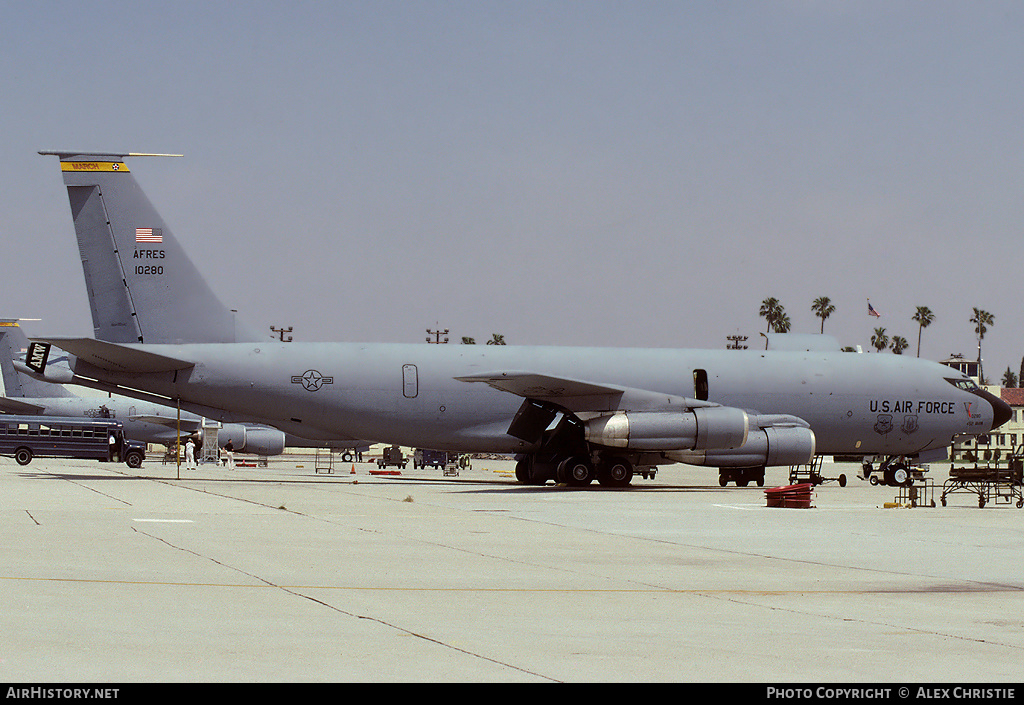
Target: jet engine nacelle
260, 440
694, 429
764, 447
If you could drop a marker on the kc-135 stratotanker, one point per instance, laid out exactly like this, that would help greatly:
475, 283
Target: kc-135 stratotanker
571, 415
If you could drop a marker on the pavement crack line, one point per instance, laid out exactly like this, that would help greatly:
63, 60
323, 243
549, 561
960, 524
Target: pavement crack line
900, 627
93, 489
346, 613
708, 594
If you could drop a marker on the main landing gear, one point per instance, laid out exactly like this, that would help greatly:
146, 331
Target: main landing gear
576, 470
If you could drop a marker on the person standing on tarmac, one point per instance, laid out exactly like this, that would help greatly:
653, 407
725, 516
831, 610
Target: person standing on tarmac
229, 455
190, 453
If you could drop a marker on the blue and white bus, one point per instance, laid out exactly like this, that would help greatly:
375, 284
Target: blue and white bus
26, 437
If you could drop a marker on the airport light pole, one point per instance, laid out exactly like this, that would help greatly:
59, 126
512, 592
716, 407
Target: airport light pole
437, 336
735, 342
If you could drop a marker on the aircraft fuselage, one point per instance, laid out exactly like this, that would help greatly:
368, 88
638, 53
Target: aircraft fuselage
409, 394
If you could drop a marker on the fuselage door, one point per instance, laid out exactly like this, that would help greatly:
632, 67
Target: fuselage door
700, 384
410, 381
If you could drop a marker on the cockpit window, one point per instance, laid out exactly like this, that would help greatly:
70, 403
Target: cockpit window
968, 385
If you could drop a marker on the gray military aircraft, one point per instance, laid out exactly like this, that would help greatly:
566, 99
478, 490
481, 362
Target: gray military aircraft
143, 421
571, 414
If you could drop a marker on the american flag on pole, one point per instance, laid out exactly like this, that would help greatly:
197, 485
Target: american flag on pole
149, 235
872, 311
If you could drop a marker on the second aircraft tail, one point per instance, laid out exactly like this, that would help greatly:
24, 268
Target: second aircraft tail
142, 286
13, 344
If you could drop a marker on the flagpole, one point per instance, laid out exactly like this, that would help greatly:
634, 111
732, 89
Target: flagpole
872, 312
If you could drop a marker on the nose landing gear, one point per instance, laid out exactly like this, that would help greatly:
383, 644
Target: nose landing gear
896, 472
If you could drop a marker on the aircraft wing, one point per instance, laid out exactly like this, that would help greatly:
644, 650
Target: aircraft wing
581, 396
570, 394
112, 356
15, 406
599, 406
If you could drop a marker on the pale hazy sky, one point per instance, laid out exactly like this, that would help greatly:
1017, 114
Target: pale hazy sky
566, 173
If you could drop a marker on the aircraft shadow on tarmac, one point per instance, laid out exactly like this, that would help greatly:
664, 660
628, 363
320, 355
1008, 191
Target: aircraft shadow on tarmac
495, 485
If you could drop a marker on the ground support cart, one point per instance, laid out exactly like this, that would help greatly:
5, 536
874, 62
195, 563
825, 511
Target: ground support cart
895, 471
799, 474
990, 483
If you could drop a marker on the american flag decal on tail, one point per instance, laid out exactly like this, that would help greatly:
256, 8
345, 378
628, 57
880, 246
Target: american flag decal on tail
149, 235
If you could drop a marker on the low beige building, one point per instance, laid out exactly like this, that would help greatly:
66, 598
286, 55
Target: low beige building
1002, 442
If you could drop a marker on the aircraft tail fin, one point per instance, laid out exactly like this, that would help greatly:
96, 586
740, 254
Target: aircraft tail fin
13, 344
142, 286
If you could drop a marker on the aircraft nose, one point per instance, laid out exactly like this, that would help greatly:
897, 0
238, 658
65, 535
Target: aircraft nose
1001, 411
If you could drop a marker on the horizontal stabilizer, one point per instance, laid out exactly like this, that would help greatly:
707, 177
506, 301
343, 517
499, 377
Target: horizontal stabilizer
106, 155
14, 406
189, 425
117, 358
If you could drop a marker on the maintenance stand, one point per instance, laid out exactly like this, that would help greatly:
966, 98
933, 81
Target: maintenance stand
992, 481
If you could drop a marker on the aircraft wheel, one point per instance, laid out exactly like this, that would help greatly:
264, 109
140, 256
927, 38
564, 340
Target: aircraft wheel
723, 479
23, 456
523, 471
842, 480
899, 475
575, 471
616, 472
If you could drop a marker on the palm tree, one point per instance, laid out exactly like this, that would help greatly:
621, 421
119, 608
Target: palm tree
770, 309
1009, 378
466, 340
823, 308
496, 339
924, 318
776, 316
899, 344
981, 320
880, 340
